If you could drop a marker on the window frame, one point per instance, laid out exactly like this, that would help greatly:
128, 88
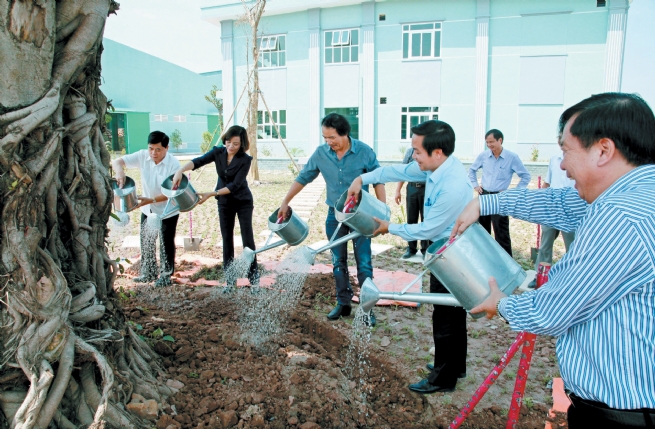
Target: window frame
275, 51
341, 45
179, 118
264, 121
408, 40
406, 114
160, 117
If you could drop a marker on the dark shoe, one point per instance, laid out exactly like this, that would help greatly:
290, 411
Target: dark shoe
532, 284
408, 254
144, 279
339, 311
430, 367
163, 281
424, 387
371, 320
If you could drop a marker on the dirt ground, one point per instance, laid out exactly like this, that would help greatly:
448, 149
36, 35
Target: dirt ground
303, 380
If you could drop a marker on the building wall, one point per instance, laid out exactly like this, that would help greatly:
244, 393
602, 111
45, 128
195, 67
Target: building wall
514, 65
137, 82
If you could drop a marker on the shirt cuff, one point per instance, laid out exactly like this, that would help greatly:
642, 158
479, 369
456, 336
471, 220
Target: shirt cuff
489, 204
502, 308
368, 178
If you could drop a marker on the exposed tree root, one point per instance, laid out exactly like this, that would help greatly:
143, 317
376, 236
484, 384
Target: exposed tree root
57, 279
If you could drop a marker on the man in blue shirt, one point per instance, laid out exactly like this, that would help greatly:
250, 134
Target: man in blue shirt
498, 165
340, 160
447, 191
600, 297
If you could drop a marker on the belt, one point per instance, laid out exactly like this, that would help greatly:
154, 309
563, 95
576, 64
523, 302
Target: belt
639, 418
488, 192
417, 185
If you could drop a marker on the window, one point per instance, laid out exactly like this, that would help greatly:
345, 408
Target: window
179, 118
412, 116
341, 46
161, 118
265, 128
383, 100
422, 41
272, 51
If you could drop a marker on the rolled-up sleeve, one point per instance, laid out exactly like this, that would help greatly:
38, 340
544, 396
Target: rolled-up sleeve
473, 170
311, 170
205, 159
133, 160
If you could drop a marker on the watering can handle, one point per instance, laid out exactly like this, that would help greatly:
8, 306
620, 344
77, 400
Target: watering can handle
420, 276
334, 234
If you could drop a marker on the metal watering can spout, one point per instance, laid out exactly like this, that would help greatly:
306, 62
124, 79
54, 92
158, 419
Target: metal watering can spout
370, 295
171, 207
310, 254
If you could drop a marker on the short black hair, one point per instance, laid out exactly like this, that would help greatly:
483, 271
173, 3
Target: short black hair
158, 137
338, 122
238, 131
626, 119
436, 135
496, 133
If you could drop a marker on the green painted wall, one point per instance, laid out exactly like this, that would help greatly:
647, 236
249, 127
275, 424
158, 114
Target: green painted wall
138, 128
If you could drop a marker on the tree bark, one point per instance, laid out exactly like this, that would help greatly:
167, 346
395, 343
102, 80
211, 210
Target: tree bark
56, 278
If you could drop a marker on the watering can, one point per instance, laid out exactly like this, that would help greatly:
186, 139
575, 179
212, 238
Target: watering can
463, 265
125, 199
292, 230
182, 198
358, 216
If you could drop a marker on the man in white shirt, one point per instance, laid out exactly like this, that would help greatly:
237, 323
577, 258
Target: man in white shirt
155, 164
556, 179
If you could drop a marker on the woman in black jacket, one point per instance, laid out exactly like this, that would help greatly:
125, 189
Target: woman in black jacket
232, 192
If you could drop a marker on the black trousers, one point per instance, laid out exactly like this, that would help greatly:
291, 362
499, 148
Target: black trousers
449, 333
166, 249
227, 214
501, 228
415, 201
584, 414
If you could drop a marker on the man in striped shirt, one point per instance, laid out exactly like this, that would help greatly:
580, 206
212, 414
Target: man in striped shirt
600, 297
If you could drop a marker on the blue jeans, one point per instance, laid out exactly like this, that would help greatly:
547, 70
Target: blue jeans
362, 246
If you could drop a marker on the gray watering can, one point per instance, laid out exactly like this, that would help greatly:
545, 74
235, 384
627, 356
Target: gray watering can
125, 199
463, 265
292, 231
183, 198
358, 216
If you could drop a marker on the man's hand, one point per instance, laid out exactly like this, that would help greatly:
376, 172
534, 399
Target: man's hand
479, 190
398, 197
355, 188
144, 201
204, 196
120, 178
383, 228
490, 304
468, 216
282, 212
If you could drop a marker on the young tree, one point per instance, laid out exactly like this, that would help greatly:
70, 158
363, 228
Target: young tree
218, 104
61, 323
251, 16
176, 139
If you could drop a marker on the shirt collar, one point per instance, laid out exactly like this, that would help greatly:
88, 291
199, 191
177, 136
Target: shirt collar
354, 147
634, 176
440, 172
166, 161
491, 153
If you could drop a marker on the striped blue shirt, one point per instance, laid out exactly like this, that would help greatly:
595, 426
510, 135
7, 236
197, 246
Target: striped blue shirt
600, 297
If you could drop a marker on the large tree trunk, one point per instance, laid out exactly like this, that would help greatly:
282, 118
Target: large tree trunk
67, 354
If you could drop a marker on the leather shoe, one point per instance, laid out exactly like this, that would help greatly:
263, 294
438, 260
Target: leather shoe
532, 284
408, 254
430, 367
424, 387
339, 311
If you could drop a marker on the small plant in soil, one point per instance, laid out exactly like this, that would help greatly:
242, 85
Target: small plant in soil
504, 412
209, 273
495, 357
447, 400
193, 375
427, 358
396, 338
511, 375
409, 331
529, 402
421, 325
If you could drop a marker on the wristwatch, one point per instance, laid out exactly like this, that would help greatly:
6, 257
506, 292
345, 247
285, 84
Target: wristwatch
500, 316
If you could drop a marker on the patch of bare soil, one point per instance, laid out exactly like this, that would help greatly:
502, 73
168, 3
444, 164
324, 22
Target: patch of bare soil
304, 382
